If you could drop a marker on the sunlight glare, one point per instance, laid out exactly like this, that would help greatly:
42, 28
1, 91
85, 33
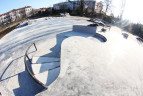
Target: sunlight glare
133, 11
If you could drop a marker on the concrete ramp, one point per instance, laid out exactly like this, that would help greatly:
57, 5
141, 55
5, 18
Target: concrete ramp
48, 77
45, 69
44, 59
39, 68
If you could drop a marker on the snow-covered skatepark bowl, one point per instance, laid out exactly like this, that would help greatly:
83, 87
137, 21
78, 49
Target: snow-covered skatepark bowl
88, 63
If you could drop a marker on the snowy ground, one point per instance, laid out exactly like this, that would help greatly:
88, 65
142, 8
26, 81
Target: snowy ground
92, 68
15, 80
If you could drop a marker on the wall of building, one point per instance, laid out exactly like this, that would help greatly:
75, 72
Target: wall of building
15, 14
73, 5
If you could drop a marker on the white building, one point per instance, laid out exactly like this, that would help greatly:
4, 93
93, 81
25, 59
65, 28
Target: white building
2, 18
12, 15
15, 14
73, 5
28, 10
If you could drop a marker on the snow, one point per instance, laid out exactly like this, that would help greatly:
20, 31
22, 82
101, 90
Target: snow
111, 77
14, 45
90, 68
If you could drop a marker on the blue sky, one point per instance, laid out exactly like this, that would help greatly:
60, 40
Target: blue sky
7, 5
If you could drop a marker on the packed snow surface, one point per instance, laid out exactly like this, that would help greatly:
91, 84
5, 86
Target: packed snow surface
88, 67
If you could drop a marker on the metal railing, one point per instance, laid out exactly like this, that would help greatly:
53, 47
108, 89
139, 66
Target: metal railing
28, 50
26, 65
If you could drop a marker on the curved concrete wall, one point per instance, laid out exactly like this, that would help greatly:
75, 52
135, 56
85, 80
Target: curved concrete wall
84, 29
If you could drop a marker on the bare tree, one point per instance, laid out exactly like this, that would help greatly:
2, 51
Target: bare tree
107, 5
81, 5
123, 3
64, 7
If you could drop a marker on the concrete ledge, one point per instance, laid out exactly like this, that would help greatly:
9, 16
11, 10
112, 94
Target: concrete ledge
84, 29
100, 37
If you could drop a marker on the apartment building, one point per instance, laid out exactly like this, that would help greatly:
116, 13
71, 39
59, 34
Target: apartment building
15, 14
3, 18
73, 5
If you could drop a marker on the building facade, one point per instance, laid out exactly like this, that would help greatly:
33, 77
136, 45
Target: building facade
73, 5
99, 7
15, 14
